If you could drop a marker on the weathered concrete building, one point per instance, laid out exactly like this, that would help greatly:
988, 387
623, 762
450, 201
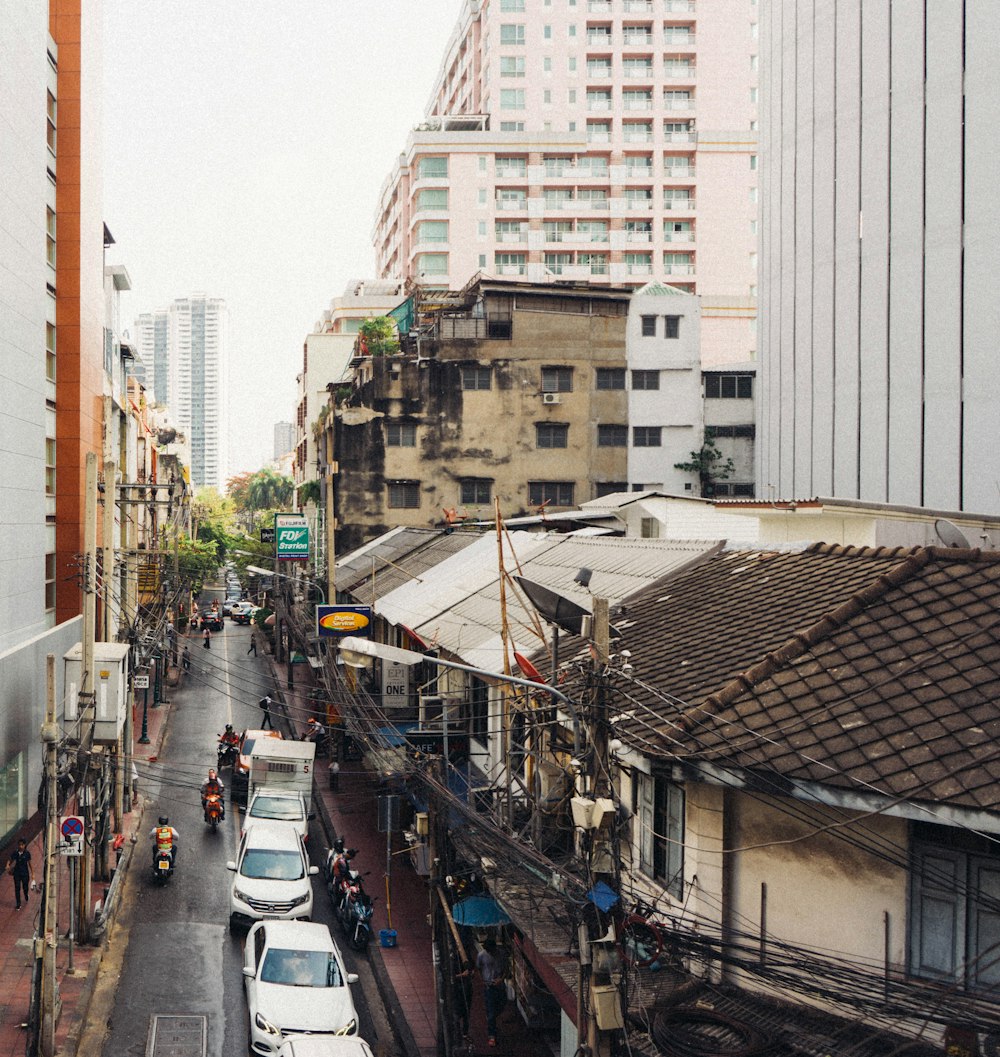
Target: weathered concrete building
500, 393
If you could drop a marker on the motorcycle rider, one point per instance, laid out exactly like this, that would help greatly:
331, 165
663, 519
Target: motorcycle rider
212, 786
228, 742
164, 838
339, 868
315, 732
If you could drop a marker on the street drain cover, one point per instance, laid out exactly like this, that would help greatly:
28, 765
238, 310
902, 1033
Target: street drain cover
177, 1035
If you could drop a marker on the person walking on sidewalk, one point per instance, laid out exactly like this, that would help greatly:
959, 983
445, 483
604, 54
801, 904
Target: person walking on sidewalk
20, 868
265, 703
253, 645
207, 638
495, 990
186, 660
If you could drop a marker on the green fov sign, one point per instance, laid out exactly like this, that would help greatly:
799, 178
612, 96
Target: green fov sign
291, 537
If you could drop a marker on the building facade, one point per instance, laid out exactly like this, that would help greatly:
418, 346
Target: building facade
879, 253
508, 398
186, 352
284, 439
605, 141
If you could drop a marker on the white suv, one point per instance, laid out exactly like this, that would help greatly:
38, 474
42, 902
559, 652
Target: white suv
273, 876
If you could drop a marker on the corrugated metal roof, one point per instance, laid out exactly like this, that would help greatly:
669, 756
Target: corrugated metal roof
458, 607
412, 550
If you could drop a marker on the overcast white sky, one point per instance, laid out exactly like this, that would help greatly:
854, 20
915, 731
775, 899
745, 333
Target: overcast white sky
246, 142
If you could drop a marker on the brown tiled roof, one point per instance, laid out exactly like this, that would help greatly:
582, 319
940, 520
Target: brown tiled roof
896, 690
693, 633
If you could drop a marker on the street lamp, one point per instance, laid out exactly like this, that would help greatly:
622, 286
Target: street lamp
358, 653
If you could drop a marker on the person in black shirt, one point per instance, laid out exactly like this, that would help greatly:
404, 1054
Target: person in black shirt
19, 867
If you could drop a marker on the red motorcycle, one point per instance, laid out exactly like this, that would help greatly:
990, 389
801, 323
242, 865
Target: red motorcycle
213, 809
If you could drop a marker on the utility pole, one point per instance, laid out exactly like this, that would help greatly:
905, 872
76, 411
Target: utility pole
50, 931
87, 714
331, 519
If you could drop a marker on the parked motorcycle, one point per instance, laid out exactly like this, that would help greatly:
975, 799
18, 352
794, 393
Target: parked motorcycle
213, 810
163, 867
336, 868
355, 911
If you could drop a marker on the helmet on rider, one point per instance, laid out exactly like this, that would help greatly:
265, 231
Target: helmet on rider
229, 728
211, 774
164, 821
338, 845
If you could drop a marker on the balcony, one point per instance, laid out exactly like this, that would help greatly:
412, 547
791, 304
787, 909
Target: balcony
635, 40
598, 40
633, 103
681, 137
678, 269
599, 7
508, 172
599, 137
638, 236
637, 172
598, 103
638, 73
678, 236
598, 73
638, 135
512, 236
678, 103
592, 203
679, 7
639, 269
679, 71
636, 204
512, 269
558, 203
512, 205
678, 40
683, 172
685, 205
638, 7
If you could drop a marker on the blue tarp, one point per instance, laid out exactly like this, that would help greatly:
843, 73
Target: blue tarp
479, 912
603, 897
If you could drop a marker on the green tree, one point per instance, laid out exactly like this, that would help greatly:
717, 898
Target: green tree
377, 336
709, 464
197, 561
255, 494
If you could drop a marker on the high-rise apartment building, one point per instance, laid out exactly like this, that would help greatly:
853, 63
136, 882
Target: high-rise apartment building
589, 140
284, 438
879, 252
186, 352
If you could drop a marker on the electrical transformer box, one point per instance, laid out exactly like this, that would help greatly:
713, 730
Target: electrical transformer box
110, 689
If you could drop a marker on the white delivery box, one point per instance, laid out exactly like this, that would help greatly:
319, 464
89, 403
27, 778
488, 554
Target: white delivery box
284, 765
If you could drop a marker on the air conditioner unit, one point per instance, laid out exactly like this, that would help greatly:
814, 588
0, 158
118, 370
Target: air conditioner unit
431, 710
550, 398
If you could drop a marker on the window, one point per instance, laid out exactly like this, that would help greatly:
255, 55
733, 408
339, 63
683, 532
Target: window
476, 491
400, 435
511, 65
646, 436
432, 264
557, 230
547, 96
556, 493
637, 34
511, 126
50, 235
572, 29
557, 263
511, 165
51, 129
557, 379
611, 436
511, 98
953, 893
610, 377
598, 131
50, 466
547, 32
733, 488
432, 168
547, 64
432, 198
649, 528
432, 231
639, 263
737, 432
510, 263
511, 33
649, 326
592, 230
660, 809
50, 351
551, 435
404, 495
476, 378
672, 326
50, 581
729, 386
753, 162
646, 380
511, 5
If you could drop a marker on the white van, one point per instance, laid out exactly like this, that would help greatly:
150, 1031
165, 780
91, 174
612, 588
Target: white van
273, 876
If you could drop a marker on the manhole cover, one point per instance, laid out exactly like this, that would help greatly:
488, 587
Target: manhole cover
177, 1035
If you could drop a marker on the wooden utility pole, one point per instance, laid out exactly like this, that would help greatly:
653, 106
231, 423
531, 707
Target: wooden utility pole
49, 1003
331, 519
87, 713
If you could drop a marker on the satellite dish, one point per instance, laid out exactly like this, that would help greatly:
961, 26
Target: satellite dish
558, 609
951, 535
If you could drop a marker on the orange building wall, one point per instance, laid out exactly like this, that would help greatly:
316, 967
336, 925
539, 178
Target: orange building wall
75, 26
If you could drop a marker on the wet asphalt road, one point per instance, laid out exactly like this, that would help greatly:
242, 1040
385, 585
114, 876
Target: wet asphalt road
180, 957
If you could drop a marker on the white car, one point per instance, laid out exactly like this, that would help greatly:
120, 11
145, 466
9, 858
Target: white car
273, 876
278, 806
325, 1046
296, 984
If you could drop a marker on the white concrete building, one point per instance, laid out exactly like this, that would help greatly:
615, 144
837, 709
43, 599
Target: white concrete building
879, 252
604, 140
187, 345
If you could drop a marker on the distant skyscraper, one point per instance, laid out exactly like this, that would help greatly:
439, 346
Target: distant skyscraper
284, 438
185, 349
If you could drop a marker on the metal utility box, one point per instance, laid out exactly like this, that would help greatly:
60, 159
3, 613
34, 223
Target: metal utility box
110, 689
607, 1007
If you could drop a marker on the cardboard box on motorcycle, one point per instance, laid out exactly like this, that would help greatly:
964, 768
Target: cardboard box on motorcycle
282, 765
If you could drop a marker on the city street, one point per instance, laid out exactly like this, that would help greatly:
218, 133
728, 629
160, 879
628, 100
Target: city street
173, 949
